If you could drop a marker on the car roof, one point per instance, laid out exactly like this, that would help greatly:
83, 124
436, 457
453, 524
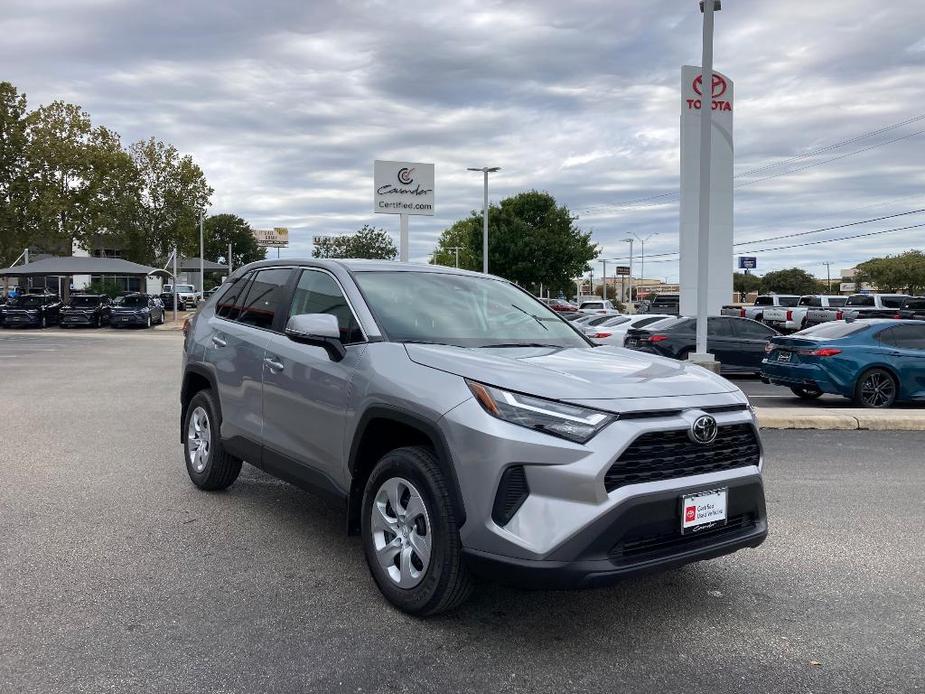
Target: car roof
360, 265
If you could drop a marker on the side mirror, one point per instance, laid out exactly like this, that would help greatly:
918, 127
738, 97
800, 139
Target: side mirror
319, 330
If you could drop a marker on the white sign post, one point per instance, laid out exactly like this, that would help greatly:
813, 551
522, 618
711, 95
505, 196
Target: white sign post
719, 251
403, 188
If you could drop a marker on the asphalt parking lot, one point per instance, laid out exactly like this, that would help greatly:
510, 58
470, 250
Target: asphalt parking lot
117, 575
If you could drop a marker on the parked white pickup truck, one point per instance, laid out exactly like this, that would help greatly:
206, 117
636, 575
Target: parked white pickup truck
793, 319
763, 302
602, 306
859, 306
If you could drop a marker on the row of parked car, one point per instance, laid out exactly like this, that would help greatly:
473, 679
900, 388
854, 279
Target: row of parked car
790, 313
91, 310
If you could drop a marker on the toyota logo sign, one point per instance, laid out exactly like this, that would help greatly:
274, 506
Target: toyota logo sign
719, 85
703, 430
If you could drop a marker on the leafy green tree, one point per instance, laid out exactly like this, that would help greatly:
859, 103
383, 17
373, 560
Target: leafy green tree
745, 284
903, 272
455, 242
369, 242
222, 229
14, 181
790, 281
531, 241
173, 192
79, 177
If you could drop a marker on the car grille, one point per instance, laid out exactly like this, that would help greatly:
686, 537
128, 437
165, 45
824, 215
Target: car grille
663, 455
669, 542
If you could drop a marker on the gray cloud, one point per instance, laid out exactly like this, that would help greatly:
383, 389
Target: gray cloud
286, 104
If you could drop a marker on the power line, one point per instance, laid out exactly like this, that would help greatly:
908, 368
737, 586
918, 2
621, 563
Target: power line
632, 202
839, 226
843, 238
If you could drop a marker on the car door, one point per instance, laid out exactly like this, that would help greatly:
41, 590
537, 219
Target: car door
306, 394
236, 347
751, 338
906, 353
721, 340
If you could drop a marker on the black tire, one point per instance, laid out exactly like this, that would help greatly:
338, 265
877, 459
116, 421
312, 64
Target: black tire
446, 582
805, 394
220, 469
876, 389
44, 322
684, 354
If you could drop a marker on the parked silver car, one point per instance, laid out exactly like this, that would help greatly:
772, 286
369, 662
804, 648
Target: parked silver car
478, 433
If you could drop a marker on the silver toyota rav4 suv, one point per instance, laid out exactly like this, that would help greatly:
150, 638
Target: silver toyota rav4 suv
469, 429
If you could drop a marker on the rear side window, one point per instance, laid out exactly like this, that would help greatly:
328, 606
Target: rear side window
317, 292
810, 301
228, 305
263, 297
891, 301
904, 336
719, 327
751, 329
788, 300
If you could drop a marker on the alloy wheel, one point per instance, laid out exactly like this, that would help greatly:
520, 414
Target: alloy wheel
401, 532
878, 389
199, 439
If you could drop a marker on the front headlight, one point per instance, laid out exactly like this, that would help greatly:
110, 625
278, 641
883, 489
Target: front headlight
571, 422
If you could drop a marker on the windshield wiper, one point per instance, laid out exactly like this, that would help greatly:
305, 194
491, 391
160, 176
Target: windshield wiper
536, 318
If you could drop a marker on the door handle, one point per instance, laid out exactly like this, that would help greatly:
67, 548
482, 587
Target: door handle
218, 342
274, 365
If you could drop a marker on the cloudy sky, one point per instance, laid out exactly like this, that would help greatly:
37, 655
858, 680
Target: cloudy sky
285, 105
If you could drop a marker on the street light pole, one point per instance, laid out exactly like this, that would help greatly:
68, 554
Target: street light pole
202, 262
604, 296
642, 244
630, 242
706, 132
485, 171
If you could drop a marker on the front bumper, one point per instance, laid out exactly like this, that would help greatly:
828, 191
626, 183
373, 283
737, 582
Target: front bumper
124, 319
23, 320
79, 319
570, 531
640, 536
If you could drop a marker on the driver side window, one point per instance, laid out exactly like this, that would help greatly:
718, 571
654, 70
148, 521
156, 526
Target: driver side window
317, 292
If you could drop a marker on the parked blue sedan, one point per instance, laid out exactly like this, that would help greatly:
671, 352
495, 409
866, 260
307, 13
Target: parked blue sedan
873, 362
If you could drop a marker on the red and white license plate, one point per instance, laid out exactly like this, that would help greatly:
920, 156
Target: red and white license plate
703, 509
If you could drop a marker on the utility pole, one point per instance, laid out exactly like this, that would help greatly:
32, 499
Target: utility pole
202, 262
604, 297
630, 242
456, 249
174, 284
229, 260
828, 275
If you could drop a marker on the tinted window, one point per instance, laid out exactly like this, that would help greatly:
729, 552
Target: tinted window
598, 320
592, 304
834, 330
810, 301
916, 303
719, 327
752, 330
788, 300
891, 301
904, 336
677, 325
860, 300
764, 301
611, 322
665, 300
263, 297
317, 292
134, 301
837, 300
228, 305
647, 321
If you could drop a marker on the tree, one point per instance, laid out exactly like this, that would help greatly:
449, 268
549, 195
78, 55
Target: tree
80, 178
454, 242
531, 241
172, 194
791, 281
222, 229
745, 284
14, 182
905, 272
369, 242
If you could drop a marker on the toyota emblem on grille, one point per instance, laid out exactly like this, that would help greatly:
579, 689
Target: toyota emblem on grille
703, 430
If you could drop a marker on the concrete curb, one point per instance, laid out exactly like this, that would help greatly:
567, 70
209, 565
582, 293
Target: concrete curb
840, 418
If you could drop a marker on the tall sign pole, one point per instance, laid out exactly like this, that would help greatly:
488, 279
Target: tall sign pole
403, 239
706, 134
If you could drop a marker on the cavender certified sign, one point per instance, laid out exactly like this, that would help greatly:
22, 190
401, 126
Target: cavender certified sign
403, 188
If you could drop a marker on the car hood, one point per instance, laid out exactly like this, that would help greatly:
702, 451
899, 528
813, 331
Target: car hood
589, 373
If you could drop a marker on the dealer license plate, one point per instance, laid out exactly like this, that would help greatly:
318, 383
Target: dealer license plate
783, 356
703, 509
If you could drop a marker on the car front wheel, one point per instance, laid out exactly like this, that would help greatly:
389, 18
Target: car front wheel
209, 466
411, 535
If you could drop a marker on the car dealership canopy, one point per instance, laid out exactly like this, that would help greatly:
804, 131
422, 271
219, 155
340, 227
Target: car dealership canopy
77, 265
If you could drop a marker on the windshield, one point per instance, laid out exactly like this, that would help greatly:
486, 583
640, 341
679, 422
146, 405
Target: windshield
788, 300
461, 310
84, 301
29, 302
132, 301
188, 287
592, 304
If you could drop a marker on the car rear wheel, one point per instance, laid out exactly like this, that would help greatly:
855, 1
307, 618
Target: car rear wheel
209, 466
411, 535
805, 393
875, 388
